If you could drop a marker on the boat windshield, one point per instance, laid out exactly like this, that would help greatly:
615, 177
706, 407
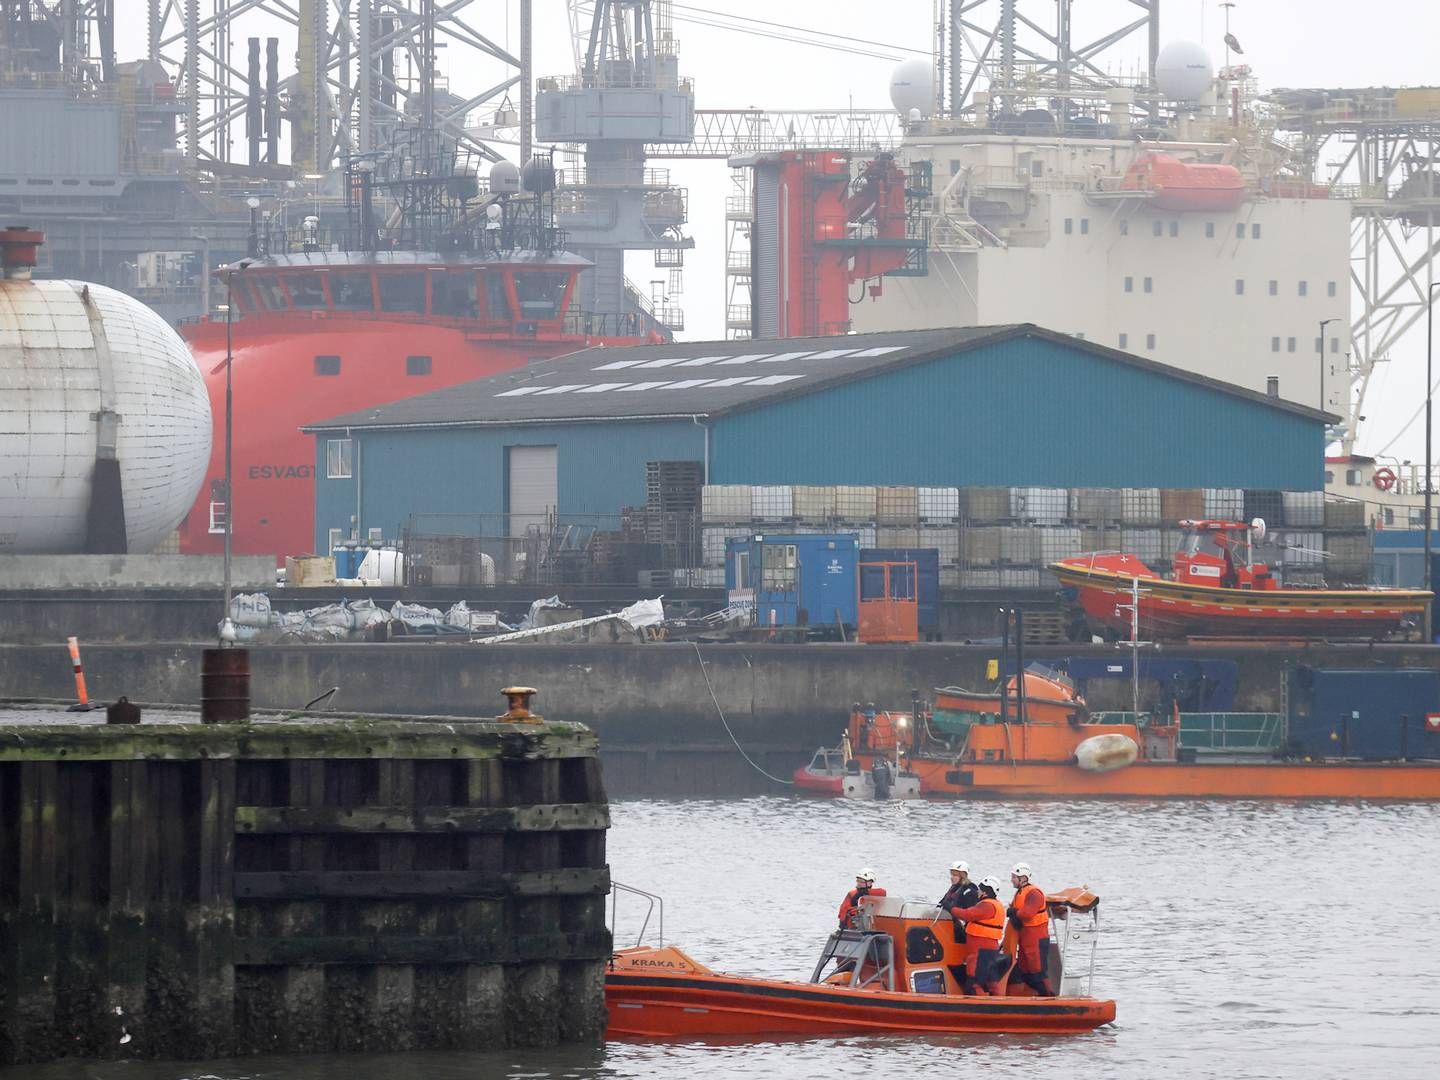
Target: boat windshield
865, 956
1213, 543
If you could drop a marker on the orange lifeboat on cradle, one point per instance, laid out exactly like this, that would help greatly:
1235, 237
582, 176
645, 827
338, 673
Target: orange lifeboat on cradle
1219, 589
891, 974
1184, 185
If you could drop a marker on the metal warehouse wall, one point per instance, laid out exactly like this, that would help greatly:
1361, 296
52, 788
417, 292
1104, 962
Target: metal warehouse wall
601, 467
1020, 413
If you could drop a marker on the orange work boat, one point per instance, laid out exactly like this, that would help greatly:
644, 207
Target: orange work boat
980, 744
891, 974
1219, 589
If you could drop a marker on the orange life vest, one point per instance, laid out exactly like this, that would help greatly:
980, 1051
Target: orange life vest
1040, 918
990, 926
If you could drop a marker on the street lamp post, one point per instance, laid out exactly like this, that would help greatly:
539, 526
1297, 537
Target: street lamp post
1429, 379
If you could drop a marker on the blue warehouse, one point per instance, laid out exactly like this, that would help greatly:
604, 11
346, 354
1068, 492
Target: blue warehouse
1005, 406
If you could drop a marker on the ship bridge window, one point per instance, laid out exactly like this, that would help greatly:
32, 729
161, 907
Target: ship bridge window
402, 290
327, 365
497, 299
417, 365
306, 291
454, 294
272, 293
352, 290
539, 292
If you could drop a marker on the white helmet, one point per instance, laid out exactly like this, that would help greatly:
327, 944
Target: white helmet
1022, 869
962, 866
992, 883
866, 874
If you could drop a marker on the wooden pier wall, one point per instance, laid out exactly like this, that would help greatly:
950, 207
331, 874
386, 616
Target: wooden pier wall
178, 890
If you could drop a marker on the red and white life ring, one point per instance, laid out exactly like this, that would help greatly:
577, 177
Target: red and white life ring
1384, 478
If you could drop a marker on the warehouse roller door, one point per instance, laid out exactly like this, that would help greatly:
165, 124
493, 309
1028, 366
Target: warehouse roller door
531, 487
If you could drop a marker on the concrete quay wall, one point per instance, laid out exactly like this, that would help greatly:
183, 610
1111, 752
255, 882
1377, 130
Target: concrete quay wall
660, 731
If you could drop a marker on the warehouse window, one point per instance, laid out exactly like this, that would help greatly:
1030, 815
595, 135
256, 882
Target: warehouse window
1124, 341
327, 365
1290, 344
337, 459
1037, 168
1149, 341
954, 166
1334, 344
1069, 226
417, 365
1352, 477
1174, 228
1129, 284
1239, 230
1330, 288
1239, 286
1274, 344
1255, 231
1084, 226
1148, 284
1158, 228
1124, 228
1274, 287
1302, 289
1329, 477
1209, 230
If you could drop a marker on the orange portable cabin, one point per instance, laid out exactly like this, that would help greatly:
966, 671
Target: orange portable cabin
889, 602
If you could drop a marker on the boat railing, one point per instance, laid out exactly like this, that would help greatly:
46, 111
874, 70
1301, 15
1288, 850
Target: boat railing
1224, 732
655, 908
1079, 927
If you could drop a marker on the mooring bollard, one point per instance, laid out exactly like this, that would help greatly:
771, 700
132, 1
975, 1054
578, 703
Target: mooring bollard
518, 700
122, 712
224, 685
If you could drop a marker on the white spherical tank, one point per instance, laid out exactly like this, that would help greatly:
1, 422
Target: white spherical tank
912, 86
1183, 71
83, 367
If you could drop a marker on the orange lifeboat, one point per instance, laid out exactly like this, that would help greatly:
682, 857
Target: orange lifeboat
891, 974
1184, 185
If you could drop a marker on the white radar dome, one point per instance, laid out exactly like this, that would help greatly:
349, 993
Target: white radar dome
1183, 71
76, 359
505, 178
912, 86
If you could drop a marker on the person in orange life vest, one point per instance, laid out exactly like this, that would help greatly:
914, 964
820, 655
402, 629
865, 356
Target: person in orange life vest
1031, 918
849, 907
984, 931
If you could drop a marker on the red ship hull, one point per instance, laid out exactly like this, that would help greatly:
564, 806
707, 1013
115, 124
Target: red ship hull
276, 390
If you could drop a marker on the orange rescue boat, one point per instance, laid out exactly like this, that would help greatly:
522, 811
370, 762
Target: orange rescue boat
977, 745
891, 974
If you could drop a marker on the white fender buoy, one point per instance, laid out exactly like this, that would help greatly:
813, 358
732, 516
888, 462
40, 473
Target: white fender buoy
1106, 753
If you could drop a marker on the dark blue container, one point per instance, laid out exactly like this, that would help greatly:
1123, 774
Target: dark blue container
927, 570
796, 579
1372, 715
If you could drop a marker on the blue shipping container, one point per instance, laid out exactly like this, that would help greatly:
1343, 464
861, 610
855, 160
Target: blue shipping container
347, 560
1374, 715
927, 570
796, 579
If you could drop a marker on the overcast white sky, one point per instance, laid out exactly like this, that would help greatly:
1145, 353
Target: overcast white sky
1287, 42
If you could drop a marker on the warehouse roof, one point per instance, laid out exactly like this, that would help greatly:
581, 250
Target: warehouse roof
715, 377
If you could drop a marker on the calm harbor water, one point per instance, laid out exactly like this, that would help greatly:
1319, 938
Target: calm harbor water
1239, 939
